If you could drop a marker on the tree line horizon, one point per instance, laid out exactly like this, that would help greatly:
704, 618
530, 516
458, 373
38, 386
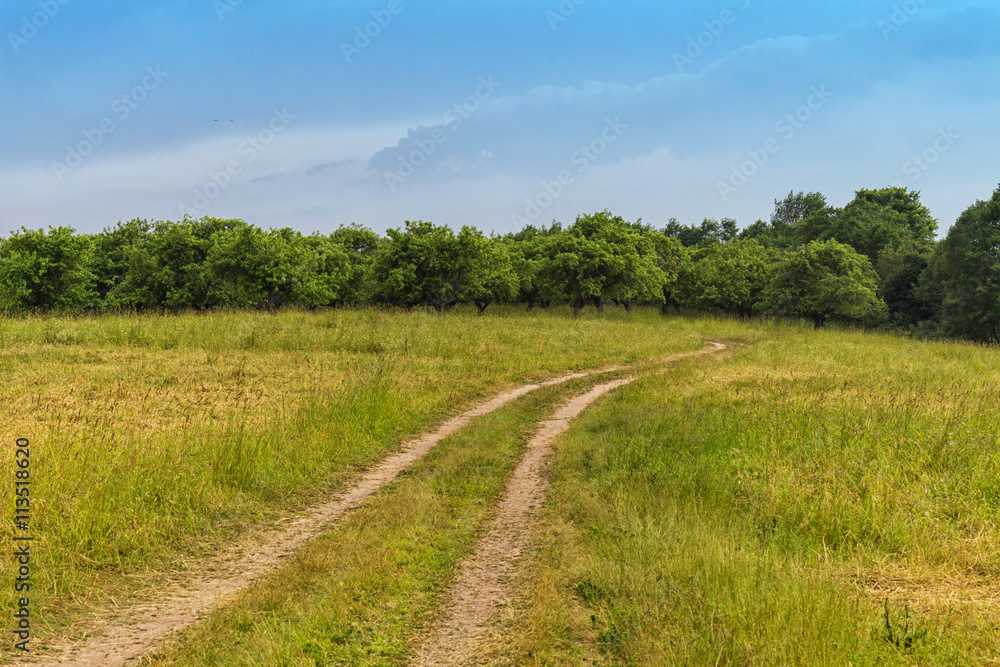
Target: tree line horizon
875, 261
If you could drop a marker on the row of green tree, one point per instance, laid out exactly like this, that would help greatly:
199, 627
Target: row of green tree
876, 259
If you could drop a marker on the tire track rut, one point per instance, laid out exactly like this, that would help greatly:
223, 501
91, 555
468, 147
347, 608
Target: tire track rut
142, 627
486, 578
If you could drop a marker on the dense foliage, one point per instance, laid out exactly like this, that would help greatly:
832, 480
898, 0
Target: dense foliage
876, 260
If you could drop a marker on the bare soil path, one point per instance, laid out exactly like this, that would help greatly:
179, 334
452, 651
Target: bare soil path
135, 631
486, 578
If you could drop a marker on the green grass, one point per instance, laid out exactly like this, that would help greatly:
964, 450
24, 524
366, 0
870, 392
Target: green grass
362, 593
771, 508
155, 439
804, 498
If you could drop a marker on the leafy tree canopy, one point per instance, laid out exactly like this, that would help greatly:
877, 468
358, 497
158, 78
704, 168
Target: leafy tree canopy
709, 231
42, 271
603, 257
428, 264
821, 280
969, 270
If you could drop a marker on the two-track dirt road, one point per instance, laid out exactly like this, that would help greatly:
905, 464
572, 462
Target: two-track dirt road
485, 577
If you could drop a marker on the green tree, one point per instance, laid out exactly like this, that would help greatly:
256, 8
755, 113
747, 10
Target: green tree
526, 258
821, 280
901, 289
327, 281
642, 279
692, 276
494, 278
111, 253
874, 222
576, 269
361, 246
527, 250
709, 231
762, 232
733, 277
916, 217
43, 272
602, 257
428, 264
166, 267
795, 208
247, 267
969, 271
671, 258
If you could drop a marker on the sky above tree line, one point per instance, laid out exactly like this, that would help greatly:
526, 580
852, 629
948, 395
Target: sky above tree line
314, 114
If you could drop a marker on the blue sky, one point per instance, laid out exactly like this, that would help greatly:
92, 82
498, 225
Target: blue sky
313, 114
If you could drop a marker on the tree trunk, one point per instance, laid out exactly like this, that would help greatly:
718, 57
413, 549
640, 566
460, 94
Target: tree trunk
439, 307
819, 321
629, 305
577, 309
272, 302
599, 304
665, 308
482, 306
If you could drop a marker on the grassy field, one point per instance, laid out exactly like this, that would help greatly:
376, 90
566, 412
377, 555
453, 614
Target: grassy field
157, 439
362, 594
821, 498
803, 498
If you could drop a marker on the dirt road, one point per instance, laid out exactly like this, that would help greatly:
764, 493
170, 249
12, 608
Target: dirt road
136, 630
486, 578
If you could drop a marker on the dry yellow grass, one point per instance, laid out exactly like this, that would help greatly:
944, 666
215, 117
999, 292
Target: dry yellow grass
156, 439
766, 510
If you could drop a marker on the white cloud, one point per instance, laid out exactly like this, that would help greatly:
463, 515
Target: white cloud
685, 132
